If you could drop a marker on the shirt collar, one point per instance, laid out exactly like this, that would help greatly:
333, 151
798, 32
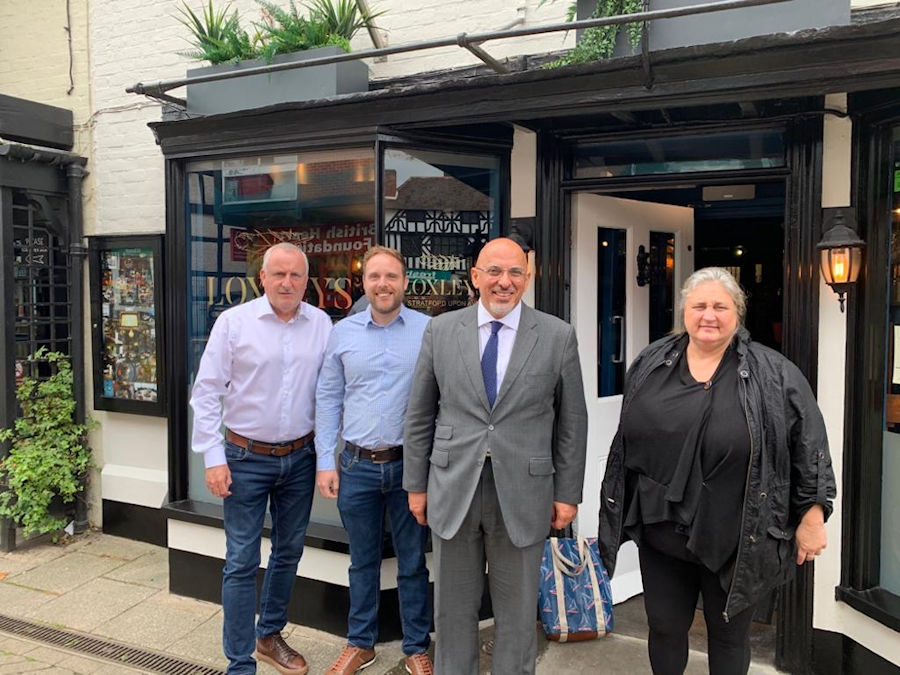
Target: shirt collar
511, 320
265, 309
401, 317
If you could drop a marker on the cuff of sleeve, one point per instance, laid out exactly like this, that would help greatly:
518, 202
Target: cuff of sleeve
214, 457
325, 461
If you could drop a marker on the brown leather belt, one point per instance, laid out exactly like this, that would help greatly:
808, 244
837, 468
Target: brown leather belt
380, 456
274, 449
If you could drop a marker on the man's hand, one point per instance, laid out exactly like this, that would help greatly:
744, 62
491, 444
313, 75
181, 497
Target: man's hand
810, 534
562, 515
328, 482
218, 480
417, 502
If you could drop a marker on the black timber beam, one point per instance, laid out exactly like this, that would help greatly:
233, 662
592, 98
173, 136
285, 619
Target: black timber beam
35, 123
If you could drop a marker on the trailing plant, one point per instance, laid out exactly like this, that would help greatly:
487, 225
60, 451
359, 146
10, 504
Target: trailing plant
599, 42
48, 454
217, 35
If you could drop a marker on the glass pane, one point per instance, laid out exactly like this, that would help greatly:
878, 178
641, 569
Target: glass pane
732, 151
128, 324
610, 311
440, 208
890, 496
236, 208
662, 284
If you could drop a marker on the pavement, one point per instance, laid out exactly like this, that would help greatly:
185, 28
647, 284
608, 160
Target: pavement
98, 604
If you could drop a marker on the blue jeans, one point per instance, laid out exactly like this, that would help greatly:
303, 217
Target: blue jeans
366, 491
286, 484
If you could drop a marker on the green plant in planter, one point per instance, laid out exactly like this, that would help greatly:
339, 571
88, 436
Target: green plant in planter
599, 42
48, 455
217, 35
328, 22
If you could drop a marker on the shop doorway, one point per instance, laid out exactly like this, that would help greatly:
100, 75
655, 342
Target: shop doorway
631, 252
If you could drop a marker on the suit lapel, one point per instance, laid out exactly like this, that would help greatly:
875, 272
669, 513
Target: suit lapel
526, 339
470, 352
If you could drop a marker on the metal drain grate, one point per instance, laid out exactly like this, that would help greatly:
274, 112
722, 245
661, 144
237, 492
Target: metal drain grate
133, 657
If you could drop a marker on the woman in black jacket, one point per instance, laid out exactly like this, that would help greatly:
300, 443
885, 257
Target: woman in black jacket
719, 472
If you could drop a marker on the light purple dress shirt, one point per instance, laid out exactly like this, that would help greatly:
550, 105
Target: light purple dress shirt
258, 376
505, 338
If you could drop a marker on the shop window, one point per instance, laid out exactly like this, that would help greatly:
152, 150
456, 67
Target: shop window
440, 208
324, 202
731, 151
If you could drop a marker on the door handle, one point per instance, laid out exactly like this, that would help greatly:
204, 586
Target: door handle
620, 352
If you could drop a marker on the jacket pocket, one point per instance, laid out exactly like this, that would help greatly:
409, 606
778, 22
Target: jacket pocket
440, 458
785, 548
443, 431
541, 466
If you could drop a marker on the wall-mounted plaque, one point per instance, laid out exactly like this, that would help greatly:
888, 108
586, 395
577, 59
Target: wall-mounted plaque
126, 302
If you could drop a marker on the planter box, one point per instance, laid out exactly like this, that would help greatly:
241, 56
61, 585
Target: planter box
734, 24
259, 91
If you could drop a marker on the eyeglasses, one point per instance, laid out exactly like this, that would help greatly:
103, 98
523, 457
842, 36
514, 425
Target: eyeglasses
494, 272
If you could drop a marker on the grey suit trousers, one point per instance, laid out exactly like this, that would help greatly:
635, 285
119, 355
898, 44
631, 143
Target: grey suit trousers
513, 575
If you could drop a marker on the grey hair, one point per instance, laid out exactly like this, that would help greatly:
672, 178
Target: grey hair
724, 278
284, 246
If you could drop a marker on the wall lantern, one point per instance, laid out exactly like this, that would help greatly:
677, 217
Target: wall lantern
841, 250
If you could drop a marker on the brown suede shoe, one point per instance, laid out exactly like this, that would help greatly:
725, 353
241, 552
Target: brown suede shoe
273, 650
419, 664
352, 660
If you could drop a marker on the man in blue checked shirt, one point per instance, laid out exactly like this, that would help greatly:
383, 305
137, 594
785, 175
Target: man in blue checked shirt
362, 394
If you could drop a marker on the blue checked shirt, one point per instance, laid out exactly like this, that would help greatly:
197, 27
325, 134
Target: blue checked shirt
365, 381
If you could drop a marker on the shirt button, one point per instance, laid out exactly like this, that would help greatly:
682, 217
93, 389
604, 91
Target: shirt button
490, 427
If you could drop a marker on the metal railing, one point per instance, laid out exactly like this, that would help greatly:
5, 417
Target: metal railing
471, 42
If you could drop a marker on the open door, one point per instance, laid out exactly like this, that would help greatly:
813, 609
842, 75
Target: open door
629, 261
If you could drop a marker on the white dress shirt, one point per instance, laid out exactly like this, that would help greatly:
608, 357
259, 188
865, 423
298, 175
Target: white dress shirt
505, 338
258, 377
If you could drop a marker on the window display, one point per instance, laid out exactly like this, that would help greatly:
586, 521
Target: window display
125, 317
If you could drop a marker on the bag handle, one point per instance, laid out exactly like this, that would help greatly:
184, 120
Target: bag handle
568, 567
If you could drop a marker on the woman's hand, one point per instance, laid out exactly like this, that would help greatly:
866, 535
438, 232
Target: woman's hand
810, 535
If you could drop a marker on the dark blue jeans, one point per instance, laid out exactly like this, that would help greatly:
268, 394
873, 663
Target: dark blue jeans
286, 484
366, 492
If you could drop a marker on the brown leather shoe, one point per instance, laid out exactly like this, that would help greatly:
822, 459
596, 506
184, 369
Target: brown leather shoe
273, 650
419, 664
352, 660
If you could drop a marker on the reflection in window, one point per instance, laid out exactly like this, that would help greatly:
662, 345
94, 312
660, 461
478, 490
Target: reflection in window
440, 208
324, 202
890, 496
734, 151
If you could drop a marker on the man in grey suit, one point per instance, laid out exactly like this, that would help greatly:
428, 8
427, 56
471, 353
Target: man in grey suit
494, 449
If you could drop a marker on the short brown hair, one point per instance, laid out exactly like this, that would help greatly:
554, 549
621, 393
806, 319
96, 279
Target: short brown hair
387, 250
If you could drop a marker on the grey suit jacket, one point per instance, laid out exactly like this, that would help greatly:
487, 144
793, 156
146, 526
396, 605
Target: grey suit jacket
536, 431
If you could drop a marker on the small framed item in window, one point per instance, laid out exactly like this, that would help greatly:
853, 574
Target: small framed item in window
127, 324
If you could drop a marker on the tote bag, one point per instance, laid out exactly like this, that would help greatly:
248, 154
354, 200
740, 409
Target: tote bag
574, 597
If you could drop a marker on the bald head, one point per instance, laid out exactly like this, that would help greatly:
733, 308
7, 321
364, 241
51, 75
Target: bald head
501, 276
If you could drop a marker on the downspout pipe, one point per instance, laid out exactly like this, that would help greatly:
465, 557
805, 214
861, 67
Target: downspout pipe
75, 175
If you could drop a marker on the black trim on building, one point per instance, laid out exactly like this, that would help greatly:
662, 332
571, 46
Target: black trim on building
836, 654
133, 521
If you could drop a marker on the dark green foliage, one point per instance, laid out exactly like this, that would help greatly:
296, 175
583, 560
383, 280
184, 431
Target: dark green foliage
217, 35
48, 455
598, 43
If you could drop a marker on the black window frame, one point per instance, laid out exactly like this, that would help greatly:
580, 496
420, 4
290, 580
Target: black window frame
876, 116
97, 245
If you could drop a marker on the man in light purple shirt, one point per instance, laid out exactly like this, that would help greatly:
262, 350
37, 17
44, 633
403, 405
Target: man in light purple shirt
257, 377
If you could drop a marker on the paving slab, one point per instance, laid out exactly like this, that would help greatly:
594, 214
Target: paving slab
203, 644
18, 601
157, 622
16, 663
85, 666
150, 569
13, 645
47, 655
65, 573
118, 548
91, 604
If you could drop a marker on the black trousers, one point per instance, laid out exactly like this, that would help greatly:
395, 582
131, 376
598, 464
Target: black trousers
671, 588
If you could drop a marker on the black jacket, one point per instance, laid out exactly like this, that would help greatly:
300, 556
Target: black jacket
789, 469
